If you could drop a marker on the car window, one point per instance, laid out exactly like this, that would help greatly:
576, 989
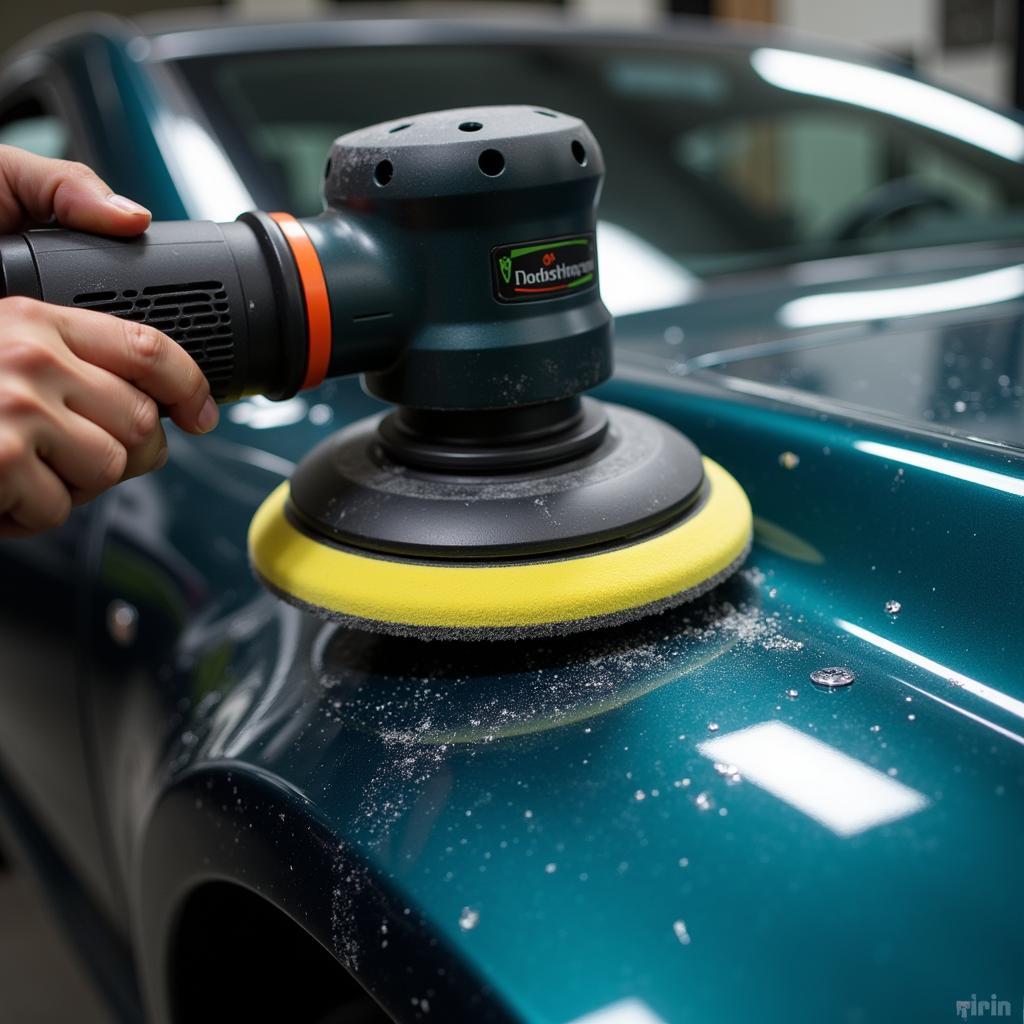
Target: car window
718, 158
28, 126
814, 171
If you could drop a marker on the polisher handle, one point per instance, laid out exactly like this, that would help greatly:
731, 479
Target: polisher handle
225, 292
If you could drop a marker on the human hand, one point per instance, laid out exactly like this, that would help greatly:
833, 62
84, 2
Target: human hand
79, 389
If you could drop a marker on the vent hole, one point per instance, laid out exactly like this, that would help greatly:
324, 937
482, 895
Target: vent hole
327, 168
579, 153
491, 162
545, 113
470, 126
383, 172
400, 127
187, 312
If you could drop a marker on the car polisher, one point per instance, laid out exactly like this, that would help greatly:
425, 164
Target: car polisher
454, 266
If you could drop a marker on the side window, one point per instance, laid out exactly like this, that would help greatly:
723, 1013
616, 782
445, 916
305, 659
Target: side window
810, 169
800, 167
28, 125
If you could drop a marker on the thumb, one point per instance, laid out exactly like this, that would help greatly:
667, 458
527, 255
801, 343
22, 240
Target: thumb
35, 189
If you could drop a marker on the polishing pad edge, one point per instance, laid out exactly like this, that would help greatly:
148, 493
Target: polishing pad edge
533, 598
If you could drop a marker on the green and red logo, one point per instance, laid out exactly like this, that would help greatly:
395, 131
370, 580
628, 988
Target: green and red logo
545, 269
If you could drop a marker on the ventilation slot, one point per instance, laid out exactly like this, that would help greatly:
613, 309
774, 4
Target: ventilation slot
195, 314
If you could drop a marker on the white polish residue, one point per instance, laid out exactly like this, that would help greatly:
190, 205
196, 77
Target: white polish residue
840, 792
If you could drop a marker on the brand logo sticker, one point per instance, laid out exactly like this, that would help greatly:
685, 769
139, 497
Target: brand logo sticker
544, 269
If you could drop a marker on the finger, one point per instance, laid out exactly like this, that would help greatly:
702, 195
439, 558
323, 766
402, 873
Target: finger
123, 411
151, 454
83, 455
34, 499
9, 529
33, 189
120, 408
146, 358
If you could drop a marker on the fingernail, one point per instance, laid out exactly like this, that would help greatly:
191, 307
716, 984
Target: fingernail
126, 205
208, 416
161, 459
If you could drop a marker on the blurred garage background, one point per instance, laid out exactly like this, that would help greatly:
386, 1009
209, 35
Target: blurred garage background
975, 46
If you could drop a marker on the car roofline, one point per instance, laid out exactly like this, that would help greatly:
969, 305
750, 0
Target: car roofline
211, 32
180, 38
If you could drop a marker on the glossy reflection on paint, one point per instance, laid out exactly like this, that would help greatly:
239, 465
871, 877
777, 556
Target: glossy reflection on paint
834, 789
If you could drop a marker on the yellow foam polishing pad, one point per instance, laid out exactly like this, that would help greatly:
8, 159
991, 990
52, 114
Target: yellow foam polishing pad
471, 599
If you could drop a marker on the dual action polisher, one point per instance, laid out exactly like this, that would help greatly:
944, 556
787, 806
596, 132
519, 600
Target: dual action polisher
454, 266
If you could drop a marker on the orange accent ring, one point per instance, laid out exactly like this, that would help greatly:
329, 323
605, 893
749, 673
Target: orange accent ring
314, 291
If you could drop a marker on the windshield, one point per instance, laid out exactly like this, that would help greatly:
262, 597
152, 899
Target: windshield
717, 159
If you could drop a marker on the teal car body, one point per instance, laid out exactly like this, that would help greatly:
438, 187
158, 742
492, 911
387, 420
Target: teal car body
242, 809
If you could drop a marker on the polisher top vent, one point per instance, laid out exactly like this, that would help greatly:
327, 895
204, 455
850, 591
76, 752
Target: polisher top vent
195, 314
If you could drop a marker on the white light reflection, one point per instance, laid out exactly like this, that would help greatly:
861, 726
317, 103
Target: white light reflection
834, 789
626, 1011
947, 467
915, 300
207, 180
636, 277
1016, 737
996, 697
261, 413
888, 93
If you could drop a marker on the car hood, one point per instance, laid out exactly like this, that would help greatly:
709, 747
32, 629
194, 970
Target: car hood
668, 821
930, 338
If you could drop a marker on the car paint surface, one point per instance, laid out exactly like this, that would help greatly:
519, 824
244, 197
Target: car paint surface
536, 831
543, 810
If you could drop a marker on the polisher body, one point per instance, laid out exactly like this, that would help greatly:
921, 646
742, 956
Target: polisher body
455, 267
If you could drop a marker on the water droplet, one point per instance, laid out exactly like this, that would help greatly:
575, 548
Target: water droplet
892, 772
527, 814
674, 335
792, 694
679, 927
789, 460
893, 607
911, 718
832, 678
876, 728
550, 868
684, 862
681, 783
639, 795
469, 918
704, 801
959, 406
712, 727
